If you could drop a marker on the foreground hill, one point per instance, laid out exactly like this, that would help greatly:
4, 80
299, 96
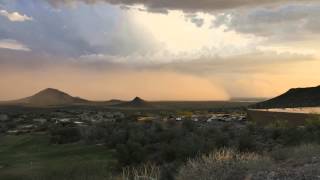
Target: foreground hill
48, 97
297, 97
137, 102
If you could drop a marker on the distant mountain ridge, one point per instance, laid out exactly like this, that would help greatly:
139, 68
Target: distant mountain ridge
137, 102
49, 97
55, 97
296, 97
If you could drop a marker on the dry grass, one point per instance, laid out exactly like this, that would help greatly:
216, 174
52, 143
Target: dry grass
223, 165
147, 171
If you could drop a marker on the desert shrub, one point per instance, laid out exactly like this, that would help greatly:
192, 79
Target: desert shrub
162, 143
167, 153
11, 124
276, 131
313, 124
298, 153
130, 153
306, 151
89, 135
280, 154
157, 127
221, 139
221, 165
118, 136
246, 142
279, 124
3, 128
252, 127
189, 125
311, 130
189, 146
292, 136
63, 135
168, 171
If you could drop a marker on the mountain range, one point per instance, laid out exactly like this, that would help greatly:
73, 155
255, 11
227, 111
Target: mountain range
55, 97
296, 97
48, 97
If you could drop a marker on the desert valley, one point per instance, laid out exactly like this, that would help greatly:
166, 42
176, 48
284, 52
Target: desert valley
159, 90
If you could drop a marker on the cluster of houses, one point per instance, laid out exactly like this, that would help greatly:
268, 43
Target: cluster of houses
101, 116
34, 122
203, 118
31, 122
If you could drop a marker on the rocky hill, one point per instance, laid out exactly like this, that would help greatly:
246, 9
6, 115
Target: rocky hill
49, 97
297, 97
137, 102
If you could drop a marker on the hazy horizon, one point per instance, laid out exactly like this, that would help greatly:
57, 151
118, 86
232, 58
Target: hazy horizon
158, 50
133, 97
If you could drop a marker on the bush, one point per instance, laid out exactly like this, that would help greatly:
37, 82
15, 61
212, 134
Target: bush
300, 153
63, 135
188, 125
313, 123
292, 136
130, 153
279, 124
3, 128
221, 139
246, 142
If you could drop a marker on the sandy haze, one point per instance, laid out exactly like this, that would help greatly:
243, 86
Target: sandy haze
107, 85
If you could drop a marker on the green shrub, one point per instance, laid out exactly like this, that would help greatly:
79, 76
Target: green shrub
313, 123
130, 153
189, 125
221, 139
279, 124
246, 142
299, 153
63, 135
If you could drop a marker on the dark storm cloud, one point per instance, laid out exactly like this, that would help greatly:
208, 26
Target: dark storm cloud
278, 20
47, 33
188, 5
285, 23
73, 32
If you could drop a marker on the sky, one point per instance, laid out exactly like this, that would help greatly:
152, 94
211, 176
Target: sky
159, 49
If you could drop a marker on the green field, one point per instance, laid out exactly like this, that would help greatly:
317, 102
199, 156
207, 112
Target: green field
32, 157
